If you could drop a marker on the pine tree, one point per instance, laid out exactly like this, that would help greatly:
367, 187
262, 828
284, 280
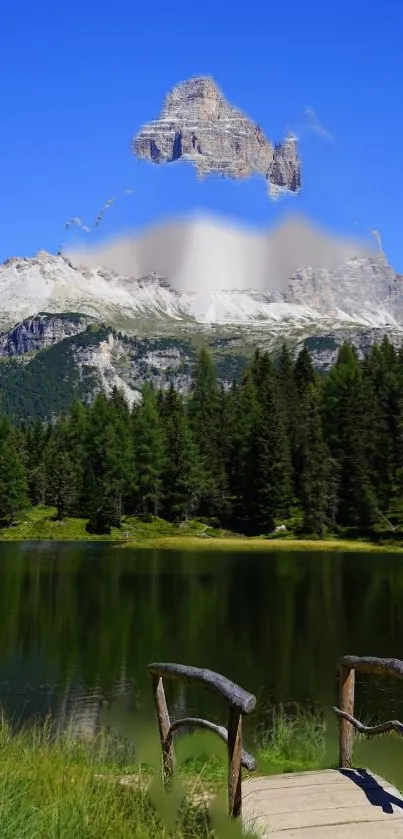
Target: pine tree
240, 463
123, 467
304, 377
304, 372
77, 430
382, 389
36, 439
291, 405
345, 431
316, 467
61, 487
13, 477
95, 503
148, 453
109, 465
180, 476
204, 413
271, 460
118, 471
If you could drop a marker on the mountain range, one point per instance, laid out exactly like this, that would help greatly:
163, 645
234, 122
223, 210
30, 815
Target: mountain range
140, 306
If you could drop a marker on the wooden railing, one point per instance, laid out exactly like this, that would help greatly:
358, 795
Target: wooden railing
348, 665
239, 703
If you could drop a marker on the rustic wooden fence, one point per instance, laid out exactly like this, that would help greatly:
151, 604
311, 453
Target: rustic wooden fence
239, 703
348, 665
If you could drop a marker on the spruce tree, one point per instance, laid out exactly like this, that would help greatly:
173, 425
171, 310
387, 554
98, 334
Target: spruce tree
272, 491
315, 463
240, 463
95, 499
304, 371
36, 439
204, 413
61, 483
13, 477
180, 475
61, 486
345, 430
77, 430
148, 453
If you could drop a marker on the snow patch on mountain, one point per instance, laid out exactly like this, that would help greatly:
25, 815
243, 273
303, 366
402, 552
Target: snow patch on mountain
364, 291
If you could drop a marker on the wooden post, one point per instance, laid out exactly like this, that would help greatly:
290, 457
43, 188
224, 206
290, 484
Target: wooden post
346, 731
164, 725
234, 762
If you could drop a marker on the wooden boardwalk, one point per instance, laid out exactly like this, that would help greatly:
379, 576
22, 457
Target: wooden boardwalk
343, 803
333, 804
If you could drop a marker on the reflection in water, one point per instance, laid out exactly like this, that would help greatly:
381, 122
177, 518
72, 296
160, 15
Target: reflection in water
79, 623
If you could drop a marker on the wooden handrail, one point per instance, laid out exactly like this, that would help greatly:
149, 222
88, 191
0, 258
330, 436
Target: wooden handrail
376, 666
239, 702
247, 760
348, 665
245, 702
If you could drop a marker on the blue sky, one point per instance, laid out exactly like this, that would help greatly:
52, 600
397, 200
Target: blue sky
79, 79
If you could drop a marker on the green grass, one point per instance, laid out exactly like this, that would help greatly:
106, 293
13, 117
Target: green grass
237, 543
40, 524
53, 787
292, 739
65, 790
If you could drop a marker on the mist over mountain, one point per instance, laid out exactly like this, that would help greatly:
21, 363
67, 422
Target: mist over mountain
138, 308
206, 253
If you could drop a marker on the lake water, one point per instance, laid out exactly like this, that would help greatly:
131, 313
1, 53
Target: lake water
80, 622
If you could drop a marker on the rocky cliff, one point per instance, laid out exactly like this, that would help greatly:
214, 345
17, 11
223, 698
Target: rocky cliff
199, 125
38, 333
365, 289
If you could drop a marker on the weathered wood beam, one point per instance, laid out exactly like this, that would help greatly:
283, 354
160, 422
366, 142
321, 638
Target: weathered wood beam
370, 730
237, 697
247, 760
346, 733
376, 666
165, 732
234, 762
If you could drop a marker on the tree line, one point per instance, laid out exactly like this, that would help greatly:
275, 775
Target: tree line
283, 446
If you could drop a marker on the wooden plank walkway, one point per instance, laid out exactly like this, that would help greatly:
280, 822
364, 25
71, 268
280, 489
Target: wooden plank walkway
333, 804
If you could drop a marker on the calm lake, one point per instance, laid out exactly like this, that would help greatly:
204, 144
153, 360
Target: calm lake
80, 622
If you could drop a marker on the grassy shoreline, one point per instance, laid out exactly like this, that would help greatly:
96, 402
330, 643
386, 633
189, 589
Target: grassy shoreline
39, 524
53, 786
234, 543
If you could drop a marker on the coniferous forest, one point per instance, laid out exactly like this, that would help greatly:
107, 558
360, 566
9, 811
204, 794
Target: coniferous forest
284, 446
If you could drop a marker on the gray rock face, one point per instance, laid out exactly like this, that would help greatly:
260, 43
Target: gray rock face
199, 125
40, 332
363, 286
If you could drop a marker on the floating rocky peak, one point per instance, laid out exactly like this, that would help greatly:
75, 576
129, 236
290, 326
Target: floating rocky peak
197, 124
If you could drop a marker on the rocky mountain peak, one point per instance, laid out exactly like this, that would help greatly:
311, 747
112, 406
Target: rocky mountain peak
197, 124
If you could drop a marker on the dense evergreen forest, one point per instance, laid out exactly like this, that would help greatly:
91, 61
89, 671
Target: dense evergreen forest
283, 446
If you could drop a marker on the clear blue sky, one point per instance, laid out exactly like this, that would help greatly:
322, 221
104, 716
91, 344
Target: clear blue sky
78, 79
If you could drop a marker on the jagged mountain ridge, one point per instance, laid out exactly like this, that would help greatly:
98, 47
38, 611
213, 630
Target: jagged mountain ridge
365, 291
197, 124
70, 328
